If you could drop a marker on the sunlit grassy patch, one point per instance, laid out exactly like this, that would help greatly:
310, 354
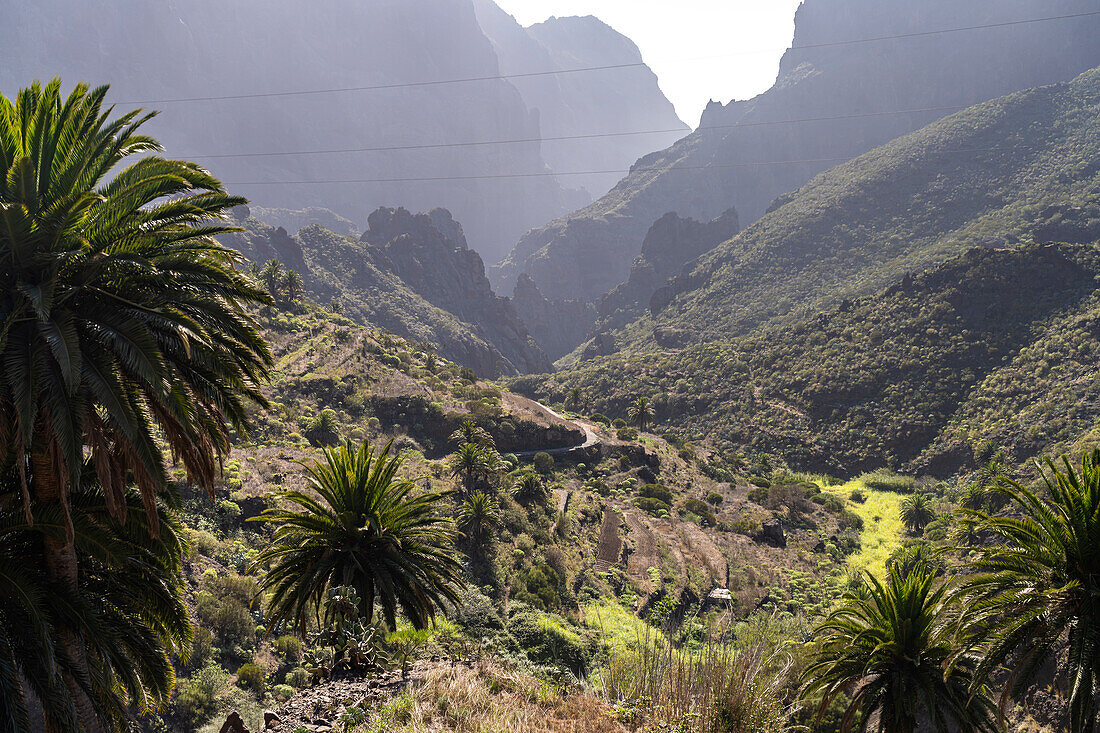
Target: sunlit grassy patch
619, 629
882, 528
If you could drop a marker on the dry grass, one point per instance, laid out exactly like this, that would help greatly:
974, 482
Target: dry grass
488, 698
723, 688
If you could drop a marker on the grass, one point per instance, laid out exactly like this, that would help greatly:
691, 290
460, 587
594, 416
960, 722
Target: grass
620, 630
882, 528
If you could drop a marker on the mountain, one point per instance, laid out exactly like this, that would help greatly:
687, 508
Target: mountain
901, 309
736, 156
200, 50
606, 102
364, 279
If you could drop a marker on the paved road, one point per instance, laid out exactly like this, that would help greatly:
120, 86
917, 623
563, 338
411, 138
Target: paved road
590, 438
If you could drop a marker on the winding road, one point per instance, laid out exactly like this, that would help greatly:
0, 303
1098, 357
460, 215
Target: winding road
591, 439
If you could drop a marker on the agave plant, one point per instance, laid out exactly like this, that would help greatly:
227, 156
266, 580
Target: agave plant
364, 528
1037, 590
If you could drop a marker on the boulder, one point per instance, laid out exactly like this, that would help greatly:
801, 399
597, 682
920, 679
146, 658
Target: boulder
771, 533
233, 724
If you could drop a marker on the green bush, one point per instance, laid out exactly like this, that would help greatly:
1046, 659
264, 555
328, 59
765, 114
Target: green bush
289, 648
759, 495
299, 677
651, 506
548, 639
759, 481
253, 678
627, 434
858, 496
544, 462
656, 491
889, 481
714, 499
618, 423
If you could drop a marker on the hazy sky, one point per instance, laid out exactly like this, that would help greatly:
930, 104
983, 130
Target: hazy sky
700, 49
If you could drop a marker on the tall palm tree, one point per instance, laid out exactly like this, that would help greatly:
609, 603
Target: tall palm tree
916, 512
1038, 589
888, 647
469, 432
366, 530
478, 519
272, 277
123, 323
530, 488
575, 397
474, 464
640, 413
294, 286
129, 607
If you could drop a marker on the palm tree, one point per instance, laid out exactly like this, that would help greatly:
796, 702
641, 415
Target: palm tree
272, 277
367, 531
640, 413
124, 323
129, 607
889, 647
916, 512
293, 285
575, 397
1038, 590
474, 464
469, 432
530, 488
478, 519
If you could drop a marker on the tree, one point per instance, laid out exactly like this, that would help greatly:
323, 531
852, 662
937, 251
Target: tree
323, 428
124, 322
129, 606
469, 432
1035, 591
478, 519
474, 464
365, 530
916, 512
530, 488
892, 648
640, 413
293, 286
575, 397
272, 277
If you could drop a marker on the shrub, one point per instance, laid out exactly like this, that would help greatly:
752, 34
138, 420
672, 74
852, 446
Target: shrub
884, 480
283, 692
759, 495
299, 677
618, 423
849, 519
600, 418
652, 506
687, 454
714, 499
759, 481
656, 491
547, 639
627, 434
544, 462
289, 648
858, 496
700, 509
253, 678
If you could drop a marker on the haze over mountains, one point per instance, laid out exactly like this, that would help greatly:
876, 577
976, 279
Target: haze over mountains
589, 252
150, 51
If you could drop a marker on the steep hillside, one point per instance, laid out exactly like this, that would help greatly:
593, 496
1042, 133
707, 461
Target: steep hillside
589, 252
922, 375
368, 290
201, 50
606, 102
1017, 169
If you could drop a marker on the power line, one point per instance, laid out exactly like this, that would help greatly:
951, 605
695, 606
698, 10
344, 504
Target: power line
431, 146
504, 77
550, 174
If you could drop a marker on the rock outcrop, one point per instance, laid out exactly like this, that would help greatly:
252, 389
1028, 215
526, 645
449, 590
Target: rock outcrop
430, 254
740, 154
557, 325
671, 243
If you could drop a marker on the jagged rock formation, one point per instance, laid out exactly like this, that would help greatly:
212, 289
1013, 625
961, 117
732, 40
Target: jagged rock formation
671, 243
430, 254
294, 220
362, 279
557, 325
588, 252
198, 49
610, 101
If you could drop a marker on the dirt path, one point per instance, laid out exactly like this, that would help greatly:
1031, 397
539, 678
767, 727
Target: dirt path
611, 544
590, 438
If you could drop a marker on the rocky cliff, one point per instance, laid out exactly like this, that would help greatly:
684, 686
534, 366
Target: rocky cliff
365, 52
365, 284
430, 254
671, 243
739, 155
557, 325
605, 102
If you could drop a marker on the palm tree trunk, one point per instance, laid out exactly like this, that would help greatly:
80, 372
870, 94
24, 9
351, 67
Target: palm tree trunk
62, 566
